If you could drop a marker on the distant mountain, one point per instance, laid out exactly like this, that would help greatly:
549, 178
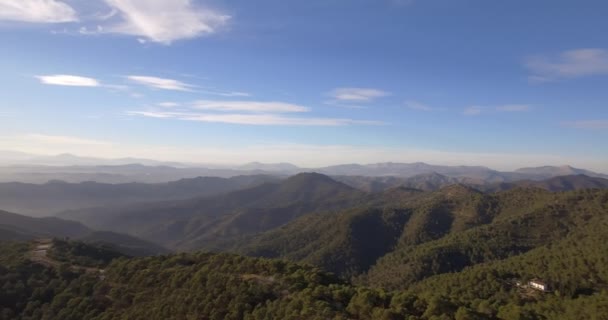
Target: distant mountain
270, 167
41, 227
434, 181
207, 221
555, 184
407, 170
552, 171
67, 159
15, 227
52, 197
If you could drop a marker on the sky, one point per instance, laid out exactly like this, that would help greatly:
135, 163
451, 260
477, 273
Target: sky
504, 84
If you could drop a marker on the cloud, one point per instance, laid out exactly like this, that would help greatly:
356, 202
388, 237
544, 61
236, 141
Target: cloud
473, 111
477, 110
252, 119
164, 21
415, 105
168, 104
513, 108
357, 94
226, 93
588, 124
568, 64
248, 106
68, 80
64, 140
37, 11
161, 83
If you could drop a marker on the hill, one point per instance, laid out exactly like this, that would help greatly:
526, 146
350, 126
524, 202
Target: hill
15, 227
394, 244
555, 184
55, 196
207, 222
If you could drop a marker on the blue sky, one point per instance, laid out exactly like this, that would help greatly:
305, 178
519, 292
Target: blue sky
499, 83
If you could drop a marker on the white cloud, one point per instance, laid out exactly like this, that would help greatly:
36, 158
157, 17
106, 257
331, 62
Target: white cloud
357, 94
37, 11
415, 105
68, 80
168, 104
164, 21
226, 93
568, 64
252, 119
161, 83
249, 106
588, 124
513, 108
473, 111
477, 110
63, 140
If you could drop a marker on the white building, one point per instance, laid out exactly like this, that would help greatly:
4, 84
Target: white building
538, 285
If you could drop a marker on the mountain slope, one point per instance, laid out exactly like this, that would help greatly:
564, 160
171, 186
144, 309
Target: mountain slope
51, 197
196, 223
15, 227
555, 184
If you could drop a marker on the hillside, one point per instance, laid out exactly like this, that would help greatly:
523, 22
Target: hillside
207, 222
224, 286
555, 184
425, 234
15, 227
55, 196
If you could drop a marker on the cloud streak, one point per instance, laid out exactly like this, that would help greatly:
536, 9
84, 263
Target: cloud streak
164, 21
588, 124
477, 110
161, 83
568, 64
415, 105
68, 80
37, 11
248, 106
357, 94
252, 119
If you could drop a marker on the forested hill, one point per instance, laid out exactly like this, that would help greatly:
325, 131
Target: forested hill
430, 233
225, 286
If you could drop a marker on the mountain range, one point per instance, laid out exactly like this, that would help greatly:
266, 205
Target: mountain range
15, 227
220, 222
446, 250
20, 167
55, 196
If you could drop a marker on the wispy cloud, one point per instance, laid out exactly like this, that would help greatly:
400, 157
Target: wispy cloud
225, 93
473, 111
37, 11
568, 64
415, 105
168, 104
68, 80
64, 140
249, 106
588, 124
164, 21
161, 83
477, 110
252, 119
513, 108
357, 94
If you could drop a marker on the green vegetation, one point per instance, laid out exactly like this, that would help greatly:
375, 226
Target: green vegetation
455, 253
